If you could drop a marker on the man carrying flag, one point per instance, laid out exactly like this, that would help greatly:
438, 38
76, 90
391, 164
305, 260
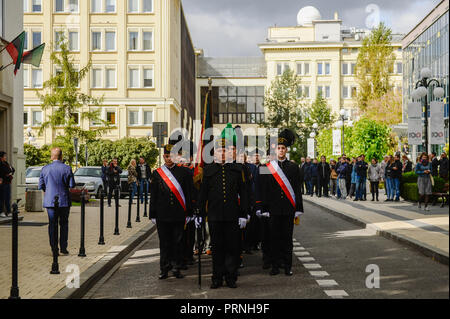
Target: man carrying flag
282, 203
170, 206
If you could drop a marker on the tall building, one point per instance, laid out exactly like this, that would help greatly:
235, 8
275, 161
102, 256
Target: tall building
143, 62
426, 45
11, 97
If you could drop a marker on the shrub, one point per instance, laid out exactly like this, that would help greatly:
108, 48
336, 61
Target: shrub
409, 191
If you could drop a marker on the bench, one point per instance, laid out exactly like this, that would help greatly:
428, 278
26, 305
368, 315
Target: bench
444, 195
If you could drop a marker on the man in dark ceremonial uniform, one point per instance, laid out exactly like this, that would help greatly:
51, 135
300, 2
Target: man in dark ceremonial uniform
170, 205
282, 202
223, 199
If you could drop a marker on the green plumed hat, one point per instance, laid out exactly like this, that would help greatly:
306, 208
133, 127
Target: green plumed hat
229, 134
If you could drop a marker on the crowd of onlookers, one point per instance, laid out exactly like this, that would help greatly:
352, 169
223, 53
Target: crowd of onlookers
349, 177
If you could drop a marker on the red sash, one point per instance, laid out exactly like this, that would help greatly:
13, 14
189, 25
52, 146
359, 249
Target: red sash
283, 182
172, 187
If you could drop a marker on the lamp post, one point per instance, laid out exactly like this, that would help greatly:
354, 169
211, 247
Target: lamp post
313, 134
341, 124
30, 135
75, 146
421, 91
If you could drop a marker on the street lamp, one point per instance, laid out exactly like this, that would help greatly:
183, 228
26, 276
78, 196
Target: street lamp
421, 91
30, 135
341, 124
313, 135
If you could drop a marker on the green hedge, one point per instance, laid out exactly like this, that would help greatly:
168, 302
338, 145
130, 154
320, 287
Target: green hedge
410, 177
409, 191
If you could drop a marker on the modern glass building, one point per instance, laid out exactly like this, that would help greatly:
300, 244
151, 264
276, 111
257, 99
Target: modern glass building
427, 46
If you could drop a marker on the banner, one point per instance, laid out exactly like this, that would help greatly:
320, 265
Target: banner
415, 129
311, 148
436, 128
337, 142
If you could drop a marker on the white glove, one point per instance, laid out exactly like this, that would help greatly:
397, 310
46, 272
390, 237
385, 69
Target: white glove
258, 213
297, 214
266, 214
153, 220
189, 219
242, 223
248, 218
198, 221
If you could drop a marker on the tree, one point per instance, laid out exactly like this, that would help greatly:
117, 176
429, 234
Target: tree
386, 109
374, 64
64, 98
35, 156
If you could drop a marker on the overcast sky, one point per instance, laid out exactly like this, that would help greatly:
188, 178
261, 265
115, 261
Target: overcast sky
235, 27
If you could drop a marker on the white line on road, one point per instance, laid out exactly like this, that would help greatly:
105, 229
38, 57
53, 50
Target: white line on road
301, 253
319, 273
326, 282
336, 293
298, 248
312, 266
306, 259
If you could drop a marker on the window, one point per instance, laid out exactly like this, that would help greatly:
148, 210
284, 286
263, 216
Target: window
148, 78
110, 6
58, 36
345, 92
324, 91
148, 40
306, 91
354, 91
73, 5
327, 68
110, 78
37, 78
37, 39
110, 40
148, 5
96, 6
75, 117
36, 6
299, 68
133, 78
399, 67
148, 117
25, 42
133, 38
282, 67
320, 68
60, 79
353, 68
96, 40
327, 92
344, 68
73, 41
25, 8
96, 78
111, 117
25, 118
59, 5
100, 6
37, 118
133, 6
25, 77
133, 117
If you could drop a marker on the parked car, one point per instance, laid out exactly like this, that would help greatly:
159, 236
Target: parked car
89, 178
32, 177
124, 186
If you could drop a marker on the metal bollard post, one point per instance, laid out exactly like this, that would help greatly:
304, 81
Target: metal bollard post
14, 293
145, 195
116, 193
55, 265
101, 239
138, 219
130, 200
82, 252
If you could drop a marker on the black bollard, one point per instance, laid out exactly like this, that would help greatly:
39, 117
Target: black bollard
14, 293
82, 252
145, 195
130, 201
116, 194
101, 239
55, 266
138, 219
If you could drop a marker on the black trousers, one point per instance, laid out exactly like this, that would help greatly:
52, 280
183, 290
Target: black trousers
374, 189
323, 186
188, 242
225, 242
265, 240
281, 229
302, 187
170, 244
315, 185
111, 189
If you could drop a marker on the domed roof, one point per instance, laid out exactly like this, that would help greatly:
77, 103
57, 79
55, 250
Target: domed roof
306, 15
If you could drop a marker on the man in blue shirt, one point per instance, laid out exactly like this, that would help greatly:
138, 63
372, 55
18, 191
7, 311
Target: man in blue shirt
361, 178
55, 181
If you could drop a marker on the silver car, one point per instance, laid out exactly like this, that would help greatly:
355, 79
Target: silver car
90, 178
32, 177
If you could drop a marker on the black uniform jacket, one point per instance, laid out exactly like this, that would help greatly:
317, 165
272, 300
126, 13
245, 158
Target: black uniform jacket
164, 205
273, 198
223, 194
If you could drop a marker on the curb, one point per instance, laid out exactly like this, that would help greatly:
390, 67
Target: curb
95, 272
8, 220
434, 253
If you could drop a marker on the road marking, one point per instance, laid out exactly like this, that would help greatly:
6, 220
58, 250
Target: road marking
336, 293
306, 259
298, 248
319, 273
312, 266
326, 282
301, 253
296, 243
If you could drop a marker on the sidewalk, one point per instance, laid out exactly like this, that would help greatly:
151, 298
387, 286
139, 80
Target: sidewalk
35, 256
402, 221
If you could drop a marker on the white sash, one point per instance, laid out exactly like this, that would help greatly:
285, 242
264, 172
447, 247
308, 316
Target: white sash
283, 178
174, 182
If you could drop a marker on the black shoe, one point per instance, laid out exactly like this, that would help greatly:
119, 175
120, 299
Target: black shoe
64, 251
248, 252
216, 284
241, 265
355, 200
274, 272
231, 283
163, 275
266, 266
178, 274
184, 267
397, 200
288, 272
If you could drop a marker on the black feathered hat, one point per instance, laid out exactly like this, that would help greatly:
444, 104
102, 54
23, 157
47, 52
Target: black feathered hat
286, 138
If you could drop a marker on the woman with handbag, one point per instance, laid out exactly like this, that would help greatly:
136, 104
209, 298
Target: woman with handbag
424, 180
333, 177
132, 179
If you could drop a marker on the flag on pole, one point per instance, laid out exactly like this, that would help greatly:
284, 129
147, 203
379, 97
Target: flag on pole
15, 50
34, 56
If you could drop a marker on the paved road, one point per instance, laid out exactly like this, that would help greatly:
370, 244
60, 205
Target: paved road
340, 253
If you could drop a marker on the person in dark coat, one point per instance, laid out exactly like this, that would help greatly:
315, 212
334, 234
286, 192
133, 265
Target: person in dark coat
314, 178
434, 164
307, 176
6, 176
324, 176
443, 166
144, 174
170, 206
105, 176
302, 173
113, 177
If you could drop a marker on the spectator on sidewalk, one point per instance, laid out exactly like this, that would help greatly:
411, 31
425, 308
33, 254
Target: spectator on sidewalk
324, 176
396, 177
105, 175
132, 179
443, 167
342, 171
315, 178
348, 180
6, 177
302, 175
353, 175
375, 174
144, 173
113, 176
361, 178
388, 177
434, 164
383, 165
407, 164
56, 179
333, 177
423, 170
338, 191
307, 176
